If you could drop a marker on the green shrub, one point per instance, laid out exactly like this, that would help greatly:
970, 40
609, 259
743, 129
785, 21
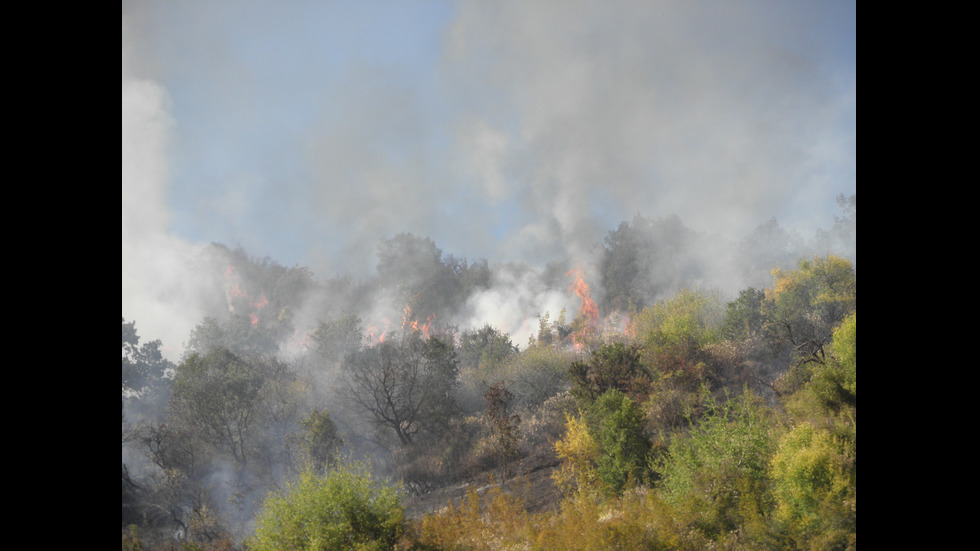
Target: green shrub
815, 486
616, 422
718, 474
346, 508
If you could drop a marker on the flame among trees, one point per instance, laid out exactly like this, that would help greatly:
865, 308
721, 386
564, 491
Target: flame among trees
651, 386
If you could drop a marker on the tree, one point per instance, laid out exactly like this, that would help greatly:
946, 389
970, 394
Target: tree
483, 355
337, 338
145, 383
321, 439
649, 258
833, 383
405, 385
614, 366
674, 330
413, 269
604, 449
805, 305
485, 349
616, 423
218, 393
345, 508
842, 237
827, 393
144, 369
578, 451
743, 316
768, 246
235, 333
501, 427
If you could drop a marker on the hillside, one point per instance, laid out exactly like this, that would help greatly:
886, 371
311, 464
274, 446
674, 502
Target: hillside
688, 416
531, 481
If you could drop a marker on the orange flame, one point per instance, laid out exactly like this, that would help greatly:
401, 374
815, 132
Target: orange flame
588, 307
261, 303
630, 329
237, 291
373, 336
408, 322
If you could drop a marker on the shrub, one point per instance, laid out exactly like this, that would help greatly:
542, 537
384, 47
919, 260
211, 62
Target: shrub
718, 474
497, 521
612, 366
578, 452
814, 485
616, 422
346, 508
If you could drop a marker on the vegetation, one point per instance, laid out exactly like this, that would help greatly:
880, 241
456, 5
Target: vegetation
344, 509
681, 420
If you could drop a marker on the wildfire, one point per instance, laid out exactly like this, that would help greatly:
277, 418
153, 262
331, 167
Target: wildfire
373, 334
588, 307
588, 310
236, 292
408, 322
376, 334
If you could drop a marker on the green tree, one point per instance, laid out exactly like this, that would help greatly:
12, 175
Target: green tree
649, 258
344, 509
832, 384
280, 405
321, 439
578, 451
768, 245
337, 338
743, 316
485, 349
483, 354
616, 423
604, 449
805, 305
417, 276
145, 371
842, 237
235, 333
218, 394
676, 336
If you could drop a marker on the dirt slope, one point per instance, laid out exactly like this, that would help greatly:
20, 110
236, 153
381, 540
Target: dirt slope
530, 480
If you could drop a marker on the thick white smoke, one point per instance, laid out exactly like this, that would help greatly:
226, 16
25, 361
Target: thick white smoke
160, 290
508, 130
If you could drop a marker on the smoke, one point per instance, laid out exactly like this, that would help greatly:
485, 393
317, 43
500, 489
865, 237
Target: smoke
517, 132
511, 131
513, 302
160, 287
719, 113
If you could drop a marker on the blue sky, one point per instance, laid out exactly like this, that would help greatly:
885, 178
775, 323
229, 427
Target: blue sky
509, 130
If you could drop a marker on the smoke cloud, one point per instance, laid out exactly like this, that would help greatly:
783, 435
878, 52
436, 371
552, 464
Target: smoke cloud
511, 131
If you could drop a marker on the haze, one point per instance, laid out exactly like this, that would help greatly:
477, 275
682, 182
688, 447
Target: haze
512, 131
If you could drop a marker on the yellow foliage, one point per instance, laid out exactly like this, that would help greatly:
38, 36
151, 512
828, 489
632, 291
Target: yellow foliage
638, 519
497, 521
813, 479
578, 452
